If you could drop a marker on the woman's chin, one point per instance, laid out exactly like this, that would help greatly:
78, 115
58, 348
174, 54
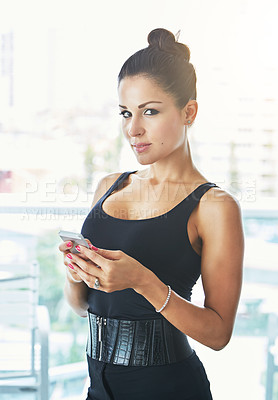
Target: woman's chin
143, 162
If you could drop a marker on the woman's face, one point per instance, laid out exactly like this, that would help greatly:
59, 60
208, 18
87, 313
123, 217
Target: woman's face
151, 121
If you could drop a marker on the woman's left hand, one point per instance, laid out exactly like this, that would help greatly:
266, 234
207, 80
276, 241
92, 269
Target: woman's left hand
114, 269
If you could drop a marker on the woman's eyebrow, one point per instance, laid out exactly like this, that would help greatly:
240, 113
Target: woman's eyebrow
142, 105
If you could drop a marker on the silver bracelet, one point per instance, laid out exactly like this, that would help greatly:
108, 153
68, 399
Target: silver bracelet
72, 278
168, 297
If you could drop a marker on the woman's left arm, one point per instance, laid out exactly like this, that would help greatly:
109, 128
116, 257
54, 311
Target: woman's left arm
220, 228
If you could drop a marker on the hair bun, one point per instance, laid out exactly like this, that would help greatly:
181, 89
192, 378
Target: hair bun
161, 37
166, 41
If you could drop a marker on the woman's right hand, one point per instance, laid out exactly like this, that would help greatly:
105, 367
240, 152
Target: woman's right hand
65, 248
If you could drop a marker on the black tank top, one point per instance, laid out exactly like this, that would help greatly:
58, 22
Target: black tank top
160, 243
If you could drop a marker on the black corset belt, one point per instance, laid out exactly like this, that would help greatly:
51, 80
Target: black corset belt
136, 343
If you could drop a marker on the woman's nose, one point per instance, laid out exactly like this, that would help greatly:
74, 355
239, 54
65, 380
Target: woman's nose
135, 129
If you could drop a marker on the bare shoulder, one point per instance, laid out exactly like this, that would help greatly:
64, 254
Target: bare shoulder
216, 198
104, 184
218, 206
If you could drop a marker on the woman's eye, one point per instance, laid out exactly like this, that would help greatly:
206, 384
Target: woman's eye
151, 111
125, 114
148, 111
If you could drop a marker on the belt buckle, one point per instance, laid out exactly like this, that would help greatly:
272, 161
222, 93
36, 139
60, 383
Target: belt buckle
101, 322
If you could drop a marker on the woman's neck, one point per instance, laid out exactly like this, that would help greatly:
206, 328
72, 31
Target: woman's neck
178, 167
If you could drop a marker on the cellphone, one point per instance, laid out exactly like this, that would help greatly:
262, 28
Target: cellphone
76, 238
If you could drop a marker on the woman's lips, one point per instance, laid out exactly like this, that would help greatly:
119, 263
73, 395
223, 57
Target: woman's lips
140, 148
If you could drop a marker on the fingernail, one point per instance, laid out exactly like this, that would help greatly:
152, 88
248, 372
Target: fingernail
69, 265
77, 248
93, 247
69, 256
68, 244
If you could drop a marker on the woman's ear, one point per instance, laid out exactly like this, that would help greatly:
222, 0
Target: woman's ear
190, 111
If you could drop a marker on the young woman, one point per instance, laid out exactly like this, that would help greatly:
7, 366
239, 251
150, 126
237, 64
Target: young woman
152, 233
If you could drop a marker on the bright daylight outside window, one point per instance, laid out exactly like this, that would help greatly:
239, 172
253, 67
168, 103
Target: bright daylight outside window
60, 134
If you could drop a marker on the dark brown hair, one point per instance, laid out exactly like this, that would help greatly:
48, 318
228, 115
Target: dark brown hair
166, 61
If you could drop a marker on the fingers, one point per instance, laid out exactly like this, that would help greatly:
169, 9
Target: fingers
64, 246
101, 257
73, 276
71, 268
86, 271
110, 254
69, 262
79, 263
88, 241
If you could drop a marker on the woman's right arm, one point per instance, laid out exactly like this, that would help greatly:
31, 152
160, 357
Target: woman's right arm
76, 293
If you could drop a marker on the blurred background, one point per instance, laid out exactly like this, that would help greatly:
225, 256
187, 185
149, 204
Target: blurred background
60, 133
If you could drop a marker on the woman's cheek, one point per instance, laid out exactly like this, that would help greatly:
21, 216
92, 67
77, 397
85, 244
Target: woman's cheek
126, 135
125, 130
